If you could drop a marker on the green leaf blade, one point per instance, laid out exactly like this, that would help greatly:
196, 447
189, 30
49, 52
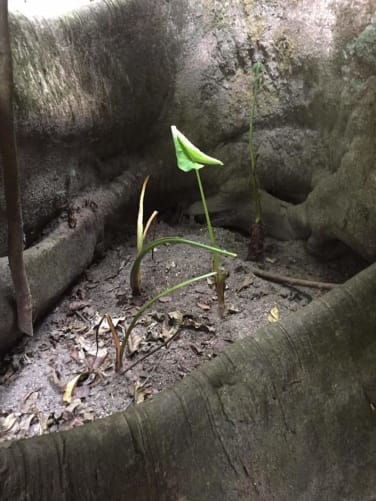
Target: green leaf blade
188, 156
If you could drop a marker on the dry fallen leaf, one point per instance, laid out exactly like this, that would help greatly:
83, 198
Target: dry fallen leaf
133, 342
30, 401
195, 349
139, 393
56, 380
90, 347
32, 395
26, 421
70, 387
271, 260
73, 406
171, 327
273, 315
99, 359
165, 299
203, 306
7, 423
247, 282
210, 281
122, 264
105, 326
190, 323
78, 305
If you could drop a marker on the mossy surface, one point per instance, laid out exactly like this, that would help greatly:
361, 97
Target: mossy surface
101, 72
364, 46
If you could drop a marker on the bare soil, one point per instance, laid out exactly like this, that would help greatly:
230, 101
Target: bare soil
34, 377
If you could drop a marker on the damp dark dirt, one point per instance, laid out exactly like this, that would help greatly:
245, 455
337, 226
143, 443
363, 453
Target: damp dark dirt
64, 376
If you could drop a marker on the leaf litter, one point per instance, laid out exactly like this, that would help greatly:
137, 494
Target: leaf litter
65, 376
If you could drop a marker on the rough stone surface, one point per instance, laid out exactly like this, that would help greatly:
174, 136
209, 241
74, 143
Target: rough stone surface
315, 122
88, 88
100, 88
56, 261
90, 107
286, 414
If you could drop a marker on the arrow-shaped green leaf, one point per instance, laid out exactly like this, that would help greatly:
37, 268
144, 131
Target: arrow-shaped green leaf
189, 157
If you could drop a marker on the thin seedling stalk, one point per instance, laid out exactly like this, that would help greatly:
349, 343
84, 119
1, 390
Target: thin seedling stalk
149, 223
135, 271
140, 216
254, 182
257, 227
149, 303
189, 157
141, 231
208, 221
220, 278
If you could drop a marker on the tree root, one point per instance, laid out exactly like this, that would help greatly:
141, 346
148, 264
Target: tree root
282, 279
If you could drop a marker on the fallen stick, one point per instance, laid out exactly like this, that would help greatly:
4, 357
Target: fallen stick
281, 279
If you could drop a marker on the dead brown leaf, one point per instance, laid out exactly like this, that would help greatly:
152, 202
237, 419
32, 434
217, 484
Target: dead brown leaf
171, 325
203, 306
195, 349
247, 282
71, 385
165, 299
191, 323
26, 421
77, 305
8, 423
273, 315
139, 393
134, 342
56, 380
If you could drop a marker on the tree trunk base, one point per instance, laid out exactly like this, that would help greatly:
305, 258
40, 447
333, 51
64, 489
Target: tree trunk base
286, 414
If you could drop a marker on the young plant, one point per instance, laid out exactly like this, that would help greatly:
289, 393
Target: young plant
120, 348
121, 345
189, 158
143, 249
257, 230
141, 233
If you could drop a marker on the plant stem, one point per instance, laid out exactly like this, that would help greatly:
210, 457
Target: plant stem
149, 303
221, 275
254, 182
253, 177
140, 216
135, 271
208, 221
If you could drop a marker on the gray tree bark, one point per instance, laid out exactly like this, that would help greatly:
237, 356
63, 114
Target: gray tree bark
8, 150
286, 415
108, 82
97, 91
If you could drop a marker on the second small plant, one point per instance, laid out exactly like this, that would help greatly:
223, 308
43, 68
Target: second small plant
257, 227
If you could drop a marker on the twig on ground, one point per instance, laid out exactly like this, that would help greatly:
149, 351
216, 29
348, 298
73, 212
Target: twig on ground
281, 279
165, 343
